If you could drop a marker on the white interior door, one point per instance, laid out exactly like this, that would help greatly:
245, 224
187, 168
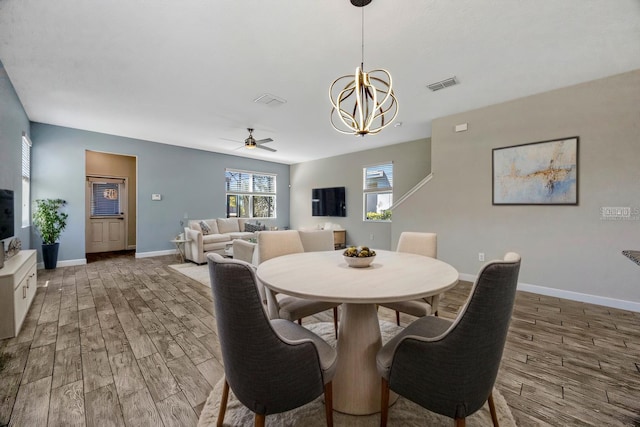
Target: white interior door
106, 229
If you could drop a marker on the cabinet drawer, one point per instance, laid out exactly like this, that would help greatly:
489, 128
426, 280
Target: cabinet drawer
22, 297
23, 271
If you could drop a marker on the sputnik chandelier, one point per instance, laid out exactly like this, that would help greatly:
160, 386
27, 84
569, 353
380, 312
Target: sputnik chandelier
366, 101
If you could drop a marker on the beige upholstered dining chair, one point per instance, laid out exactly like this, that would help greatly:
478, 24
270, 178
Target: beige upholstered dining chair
272, 366
317, 240
425, 244
450, 367
273, 244
244, 250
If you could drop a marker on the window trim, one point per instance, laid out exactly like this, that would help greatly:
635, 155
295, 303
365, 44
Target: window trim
367, 191
26, 145
251, 194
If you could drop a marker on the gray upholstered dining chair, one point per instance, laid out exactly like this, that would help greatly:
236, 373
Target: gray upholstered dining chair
425, 244
450, 367
272, 366
273, 244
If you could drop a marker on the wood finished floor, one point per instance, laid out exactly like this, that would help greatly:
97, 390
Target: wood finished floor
125, 341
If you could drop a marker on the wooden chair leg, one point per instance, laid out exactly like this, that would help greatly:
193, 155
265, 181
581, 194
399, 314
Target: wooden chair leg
384, 403
299, 321
492, 409
335, 320
223, 404
460, 422
259, 420
398, 318
328, 403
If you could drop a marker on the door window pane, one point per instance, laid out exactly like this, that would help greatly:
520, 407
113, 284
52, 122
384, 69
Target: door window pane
105, 199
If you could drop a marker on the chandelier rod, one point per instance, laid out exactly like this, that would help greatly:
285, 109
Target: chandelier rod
362, 39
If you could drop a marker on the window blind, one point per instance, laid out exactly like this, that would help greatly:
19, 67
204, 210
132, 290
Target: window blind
26, 180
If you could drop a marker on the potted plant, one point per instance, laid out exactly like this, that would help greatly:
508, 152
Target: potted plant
49, 222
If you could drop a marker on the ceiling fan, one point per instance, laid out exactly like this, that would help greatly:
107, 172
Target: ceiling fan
251, 142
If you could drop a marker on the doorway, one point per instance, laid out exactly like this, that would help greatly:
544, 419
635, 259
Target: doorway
110, 203
107, 214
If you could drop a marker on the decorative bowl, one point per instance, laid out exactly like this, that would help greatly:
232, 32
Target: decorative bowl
359, 256
359, 262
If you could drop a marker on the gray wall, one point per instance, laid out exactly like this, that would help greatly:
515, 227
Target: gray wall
565, 248
13, 122
190, 181
411, 163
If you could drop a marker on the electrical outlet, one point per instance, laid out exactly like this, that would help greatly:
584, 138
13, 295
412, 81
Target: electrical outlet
480, 256
371, 236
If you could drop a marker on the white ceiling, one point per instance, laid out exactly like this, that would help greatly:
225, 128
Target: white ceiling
186, 72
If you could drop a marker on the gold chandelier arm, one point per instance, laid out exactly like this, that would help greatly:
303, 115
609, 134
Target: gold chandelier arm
343, 114
384, 83
373, 94
359, 79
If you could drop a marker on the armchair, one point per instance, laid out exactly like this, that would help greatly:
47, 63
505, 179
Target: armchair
272, 244
425, 244
272, 366
450, 367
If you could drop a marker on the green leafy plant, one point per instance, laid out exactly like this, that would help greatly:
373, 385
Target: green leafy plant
48, 219
384, 215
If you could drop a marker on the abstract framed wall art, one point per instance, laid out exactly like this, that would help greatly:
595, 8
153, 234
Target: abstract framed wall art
537, 173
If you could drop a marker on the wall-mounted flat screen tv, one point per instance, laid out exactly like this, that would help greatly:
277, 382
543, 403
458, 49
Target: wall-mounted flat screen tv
328, 202
6, 214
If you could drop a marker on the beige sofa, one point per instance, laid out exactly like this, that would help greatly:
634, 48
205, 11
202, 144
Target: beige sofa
222, 231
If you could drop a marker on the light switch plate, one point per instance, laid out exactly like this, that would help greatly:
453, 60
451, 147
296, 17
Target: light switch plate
156, 197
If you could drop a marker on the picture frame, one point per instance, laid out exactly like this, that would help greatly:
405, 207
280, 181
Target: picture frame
536, 173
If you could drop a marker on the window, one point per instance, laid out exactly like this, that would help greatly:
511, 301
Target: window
378, 191
105, 197
250, 194
26, 180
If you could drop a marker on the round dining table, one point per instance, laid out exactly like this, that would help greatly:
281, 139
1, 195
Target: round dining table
325, 276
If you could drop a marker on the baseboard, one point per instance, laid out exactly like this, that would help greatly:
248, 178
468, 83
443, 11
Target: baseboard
65, 263
570, 295
155, 253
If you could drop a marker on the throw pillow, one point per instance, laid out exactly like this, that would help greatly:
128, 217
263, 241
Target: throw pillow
205, 227
252, 228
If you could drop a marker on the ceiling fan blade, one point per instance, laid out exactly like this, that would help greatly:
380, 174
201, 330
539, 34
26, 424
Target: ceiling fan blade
266, 148
264, 141
232, 140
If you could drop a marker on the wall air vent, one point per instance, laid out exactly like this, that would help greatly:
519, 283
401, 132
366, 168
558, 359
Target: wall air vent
270, 100
451, 81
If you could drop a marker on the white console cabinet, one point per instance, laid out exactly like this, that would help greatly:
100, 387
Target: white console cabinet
18, 284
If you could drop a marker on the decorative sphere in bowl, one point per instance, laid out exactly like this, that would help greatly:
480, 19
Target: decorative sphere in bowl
359, 257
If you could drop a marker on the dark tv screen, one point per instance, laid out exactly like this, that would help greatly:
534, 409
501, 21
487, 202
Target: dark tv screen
6, 214
328, 202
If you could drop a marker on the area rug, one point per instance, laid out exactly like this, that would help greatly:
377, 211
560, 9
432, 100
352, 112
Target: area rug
402, 413
199, 273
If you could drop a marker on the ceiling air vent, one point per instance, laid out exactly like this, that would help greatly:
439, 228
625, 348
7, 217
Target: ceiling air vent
270, 100
451, 81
